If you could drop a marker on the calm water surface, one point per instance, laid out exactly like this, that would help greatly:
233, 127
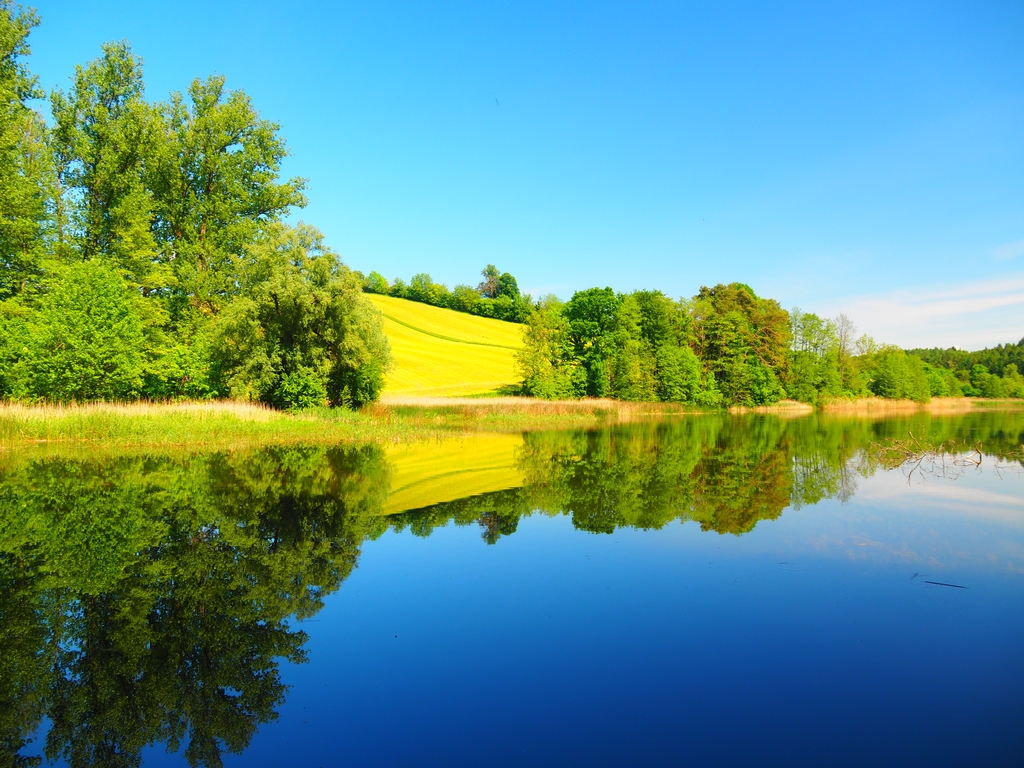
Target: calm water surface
719, 591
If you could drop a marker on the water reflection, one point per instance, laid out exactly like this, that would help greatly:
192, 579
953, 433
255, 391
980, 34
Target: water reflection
152, 599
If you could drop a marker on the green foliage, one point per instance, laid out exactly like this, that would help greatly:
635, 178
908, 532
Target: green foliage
593, 317
375, 282
900, 376
497, 297
995, 359
104, 137
85, 342
214, 182
1013, 382
680, 379
631, 347
507, 286
544, 362
24, 167
14, 340
743, 340
814, 368
988, 372
134, 241
301, 333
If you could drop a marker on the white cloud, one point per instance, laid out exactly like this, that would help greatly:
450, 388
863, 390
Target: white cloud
1009, 251
966, 315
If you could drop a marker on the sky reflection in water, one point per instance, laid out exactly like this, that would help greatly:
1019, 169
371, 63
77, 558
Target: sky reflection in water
792, 622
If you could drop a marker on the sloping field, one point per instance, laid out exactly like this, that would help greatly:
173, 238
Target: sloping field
441, 352
430, 473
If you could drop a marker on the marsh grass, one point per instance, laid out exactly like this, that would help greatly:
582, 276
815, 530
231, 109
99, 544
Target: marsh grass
783, 408
226, 424
880, 406
210, 424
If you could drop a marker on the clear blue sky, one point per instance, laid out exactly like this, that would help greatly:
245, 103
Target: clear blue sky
866, 157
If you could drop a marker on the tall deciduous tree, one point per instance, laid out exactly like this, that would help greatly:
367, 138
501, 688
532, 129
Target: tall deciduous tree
215, 182
593, 317
104, 140
489, 286
22, 155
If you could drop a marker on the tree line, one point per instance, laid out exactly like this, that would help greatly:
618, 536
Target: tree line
496, 296
144, 251
724, 346
989, 372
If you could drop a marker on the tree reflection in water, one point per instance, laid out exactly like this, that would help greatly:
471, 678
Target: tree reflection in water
150, 599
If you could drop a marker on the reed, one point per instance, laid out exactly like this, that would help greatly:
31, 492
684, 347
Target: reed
227, 424
880, 406
783, 408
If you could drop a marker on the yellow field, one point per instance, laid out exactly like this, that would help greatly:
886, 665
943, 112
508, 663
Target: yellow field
441, 352
431, 473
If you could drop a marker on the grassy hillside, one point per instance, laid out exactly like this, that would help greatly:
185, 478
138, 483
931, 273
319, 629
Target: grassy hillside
442, 352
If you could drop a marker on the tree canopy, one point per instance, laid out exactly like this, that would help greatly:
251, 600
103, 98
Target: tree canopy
144, 251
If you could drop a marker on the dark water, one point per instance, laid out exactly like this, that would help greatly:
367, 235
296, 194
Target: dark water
720, 591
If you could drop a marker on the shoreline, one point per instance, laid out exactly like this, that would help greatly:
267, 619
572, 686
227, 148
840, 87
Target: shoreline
213, 425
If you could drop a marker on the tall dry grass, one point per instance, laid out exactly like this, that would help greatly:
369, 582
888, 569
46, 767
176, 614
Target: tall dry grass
784, 408
226, 424
877, 406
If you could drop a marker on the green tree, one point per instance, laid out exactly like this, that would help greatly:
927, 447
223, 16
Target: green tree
215, 182
85, 342
301, 333
1013, 382
507, 286
545, 362
24, 166
743, 341
593, 317
634, 364
375, 282
899, 376
105, 136
815, 358
464, 298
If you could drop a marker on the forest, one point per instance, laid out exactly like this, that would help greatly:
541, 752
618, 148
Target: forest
146, 253
729, 346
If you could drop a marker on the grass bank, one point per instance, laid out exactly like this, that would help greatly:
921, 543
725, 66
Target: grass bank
217, 425
231, 424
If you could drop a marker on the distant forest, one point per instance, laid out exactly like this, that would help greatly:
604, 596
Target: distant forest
727, 345
145, 254
496, 296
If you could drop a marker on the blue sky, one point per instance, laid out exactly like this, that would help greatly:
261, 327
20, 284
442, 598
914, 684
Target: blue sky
860, 157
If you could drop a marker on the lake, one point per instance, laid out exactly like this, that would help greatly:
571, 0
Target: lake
722, 590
